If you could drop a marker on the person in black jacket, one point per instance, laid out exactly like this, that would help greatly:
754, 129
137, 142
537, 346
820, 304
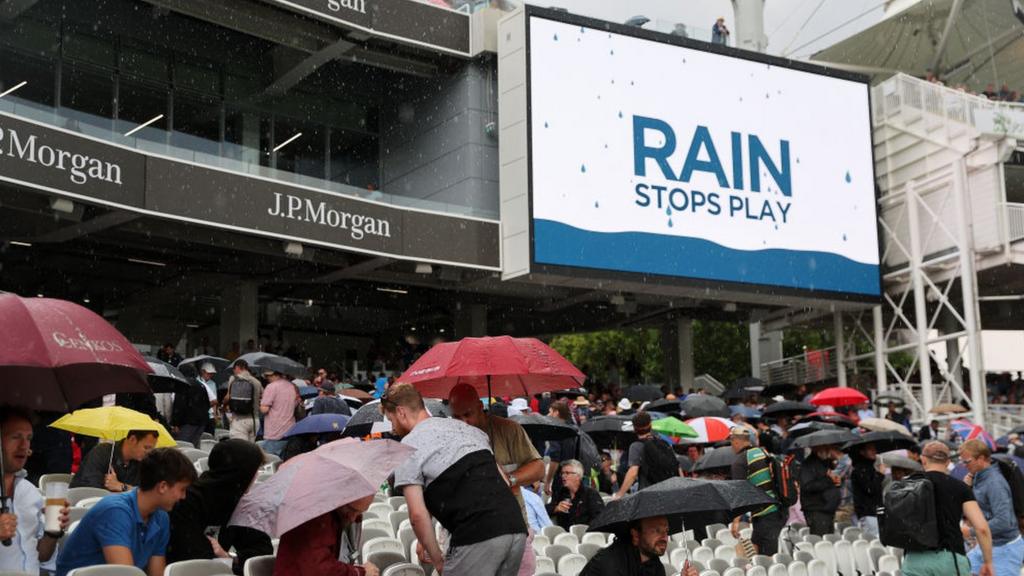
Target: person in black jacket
819, 489
635, 553
866, 482
575, 503
211, 500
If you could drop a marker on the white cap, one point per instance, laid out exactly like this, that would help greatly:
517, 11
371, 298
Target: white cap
625, 404
208, 367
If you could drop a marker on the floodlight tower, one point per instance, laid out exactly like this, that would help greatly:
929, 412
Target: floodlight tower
749, 16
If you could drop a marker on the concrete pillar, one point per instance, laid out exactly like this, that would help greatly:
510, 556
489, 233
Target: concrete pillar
754, 329
239, 314
749, 15
677, 345
470, 320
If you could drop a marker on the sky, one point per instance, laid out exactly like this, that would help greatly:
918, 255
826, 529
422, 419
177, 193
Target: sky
793, 26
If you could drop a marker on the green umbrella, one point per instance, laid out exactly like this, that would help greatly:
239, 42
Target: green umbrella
673, 427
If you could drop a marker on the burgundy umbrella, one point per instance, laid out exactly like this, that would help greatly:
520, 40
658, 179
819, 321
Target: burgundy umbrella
495, 366
56, 355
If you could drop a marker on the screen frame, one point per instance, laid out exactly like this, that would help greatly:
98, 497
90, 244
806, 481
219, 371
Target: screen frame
561, 270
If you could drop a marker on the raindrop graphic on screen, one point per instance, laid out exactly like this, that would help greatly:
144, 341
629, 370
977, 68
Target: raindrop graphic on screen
596, 204
583, 168
669, 222
844, 237
668, 211
848, 179
620, 113
545, 124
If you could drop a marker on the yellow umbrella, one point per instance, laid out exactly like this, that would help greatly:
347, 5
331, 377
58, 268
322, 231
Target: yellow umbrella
112, 423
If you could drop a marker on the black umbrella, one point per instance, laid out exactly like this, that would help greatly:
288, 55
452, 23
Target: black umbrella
190, 367
664, 406
644, 393
264, 361
786, 408
803, 428
685, 464
361, 423
885, 399
824, 438
883, 441
544, 428
165, 377
749, 383
677, 496
613, 430
778, 389
717, 458
699, 405
587, 452
831, 418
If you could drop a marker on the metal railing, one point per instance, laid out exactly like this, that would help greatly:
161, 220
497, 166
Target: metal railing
1014, 221
808, 368
902, 91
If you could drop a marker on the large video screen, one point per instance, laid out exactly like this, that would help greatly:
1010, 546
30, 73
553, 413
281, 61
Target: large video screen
650, 157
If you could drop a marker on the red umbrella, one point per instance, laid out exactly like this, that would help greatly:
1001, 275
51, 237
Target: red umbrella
495, 366
837, 397
56, 355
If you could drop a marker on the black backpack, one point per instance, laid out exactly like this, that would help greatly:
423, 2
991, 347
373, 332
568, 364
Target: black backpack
785, 476
659, 462
241, 391
910, 521
1015, 478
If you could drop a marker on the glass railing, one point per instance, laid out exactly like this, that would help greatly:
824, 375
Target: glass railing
223, 155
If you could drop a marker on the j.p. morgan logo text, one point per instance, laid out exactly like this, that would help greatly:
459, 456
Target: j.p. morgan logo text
80, 167
353, 5
306, 210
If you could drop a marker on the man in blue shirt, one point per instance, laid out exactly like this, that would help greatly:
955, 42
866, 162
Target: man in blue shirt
132, 528
996, 501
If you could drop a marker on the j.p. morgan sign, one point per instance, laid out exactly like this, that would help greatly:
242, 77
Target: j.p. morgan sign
408, 21
65, 163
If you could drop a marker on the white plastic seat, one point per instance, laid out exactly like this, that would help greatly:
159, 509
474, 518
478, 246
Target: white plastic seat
376, 532
718, 565
552, 531
812, 538
107, 570
733, 571
711, 543
404, 569
396, 502
55, 477
833, 538
677, 557
381, 510
762, 560
592, 538
709, 573
376, 524
184, 444
876, 553
825, 552
207, 444
778, 570
578, 530
797, 568
384, 559
568, 540
76, 495
382, 544
712, 529
203, 464
589, 550
406, 536
861, 558
757, 571
193, 454
556, 551
852, 531
888, 563
571, 564
198, 568
725, 537
544, 564
75, 514
259, 566
725, 552
540, 541
88, 502
396, 519
782, 558
803, 556
818, 567
845, 564
703, 554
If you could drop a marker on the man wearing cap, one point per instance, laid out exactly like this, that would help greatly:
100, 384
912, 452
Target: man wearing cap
328, 402
193, 408
819, 489
624, 407
996, 502
206, 373
639, 454
753, 464
245, 392
954, 502
518, 407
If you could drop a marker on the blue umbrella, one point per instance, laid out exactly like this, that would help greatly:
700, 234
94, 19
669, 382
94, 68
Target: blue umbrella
318, 424
746, 411
307, 392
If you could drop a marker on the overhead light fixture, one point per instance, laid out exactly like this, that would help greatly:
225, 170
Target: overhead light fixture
424, 269
192, 325
144, 124
86, 300
62, 205
147, 262
287, 142
413, 329
13, 88
293, 249
392, 290
18, 243
729, 307
441, 330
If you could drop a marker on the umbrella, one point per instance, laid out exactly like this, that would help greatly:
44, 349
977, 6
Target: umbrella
356, 393
883, 441
831, 418
265, 361
674, 428
824, 438
1019, 430
165, 377
685, 464
315, 483
318, 424
495, 366
745, 411
883, 425
897, 461
710, 429
948, 408
748, 383
613, 430
361, 423
700, 405
778, 389
885, 399
112, 423
837, 397
969, 431
718, 458
786, 408
190, 367
544, 428
665, 406
803, 428
644, 393
307, 392
56, 355
677, 496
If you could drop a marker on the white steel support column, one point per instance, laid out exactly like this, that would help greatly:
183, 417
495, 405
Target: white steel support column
755, 349
968, 290
881, 379
924, 367
840, 339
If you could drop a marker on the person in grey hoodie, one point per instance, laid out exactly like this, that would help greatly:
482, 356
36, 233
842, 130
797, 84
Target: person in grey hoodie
996, 501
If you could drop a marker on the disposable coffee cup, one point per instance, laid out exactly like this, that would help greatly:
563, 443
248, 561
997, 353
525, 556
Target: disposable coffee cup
56, 500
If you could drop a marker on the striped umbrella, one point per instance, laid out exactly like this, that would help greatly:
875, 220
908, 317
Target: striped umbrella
969, 431
710, 429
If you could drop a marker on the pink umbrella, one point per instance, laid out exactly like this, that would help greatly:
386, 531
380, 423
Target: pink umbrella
710, 429
318, 482
55, 355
